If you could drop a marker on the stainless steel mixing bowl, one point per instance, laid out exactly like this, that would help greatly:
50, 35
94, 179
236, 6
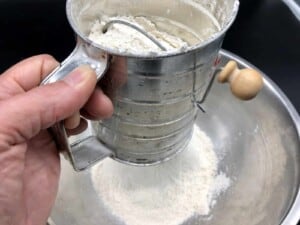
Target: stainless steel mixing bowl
258, 143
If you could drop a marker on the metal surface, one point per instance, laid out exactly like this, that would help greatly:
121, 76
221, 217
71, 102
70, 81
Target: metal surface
154, 96
258, 144
294, 5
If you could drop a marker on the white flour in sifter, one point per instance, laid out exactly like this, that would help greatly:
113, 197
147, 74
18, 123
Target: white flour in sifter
173, 36
126, 39
165, 194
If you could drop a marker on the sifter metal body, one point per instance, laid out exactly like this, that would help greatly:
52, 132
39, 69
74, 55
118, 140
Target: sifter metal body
154, 96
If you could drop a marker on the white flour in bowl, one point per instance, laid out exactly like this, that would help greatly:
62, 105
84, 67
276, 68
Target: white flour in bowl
165, 194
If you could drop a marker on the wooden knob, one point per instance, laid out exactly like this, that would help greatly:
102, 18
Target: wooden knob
245, 84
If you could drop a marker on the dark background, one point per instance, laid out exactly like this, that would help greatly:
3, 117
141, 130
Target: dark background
265, 33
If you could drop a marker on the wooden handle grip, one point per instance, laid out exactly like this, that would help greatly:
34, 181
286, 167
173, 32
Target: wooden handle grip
245, 84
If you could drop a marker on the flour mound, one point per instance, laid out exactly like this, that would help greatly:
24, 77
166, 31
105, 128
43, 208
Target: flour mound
166, 194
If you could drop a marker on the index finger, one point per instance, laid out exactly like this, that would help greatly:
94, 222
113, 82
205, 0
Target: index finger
28, 73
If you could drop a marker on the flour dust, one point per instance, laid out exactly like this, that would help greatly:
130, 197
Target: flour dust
166, 194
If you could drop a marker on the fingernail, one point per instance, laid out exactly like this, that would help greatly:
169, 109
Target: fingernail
77, 76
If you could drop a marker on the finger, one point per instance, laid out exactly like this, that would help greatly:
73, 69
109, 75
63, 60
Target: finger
73, 121
82, 126
99, 106
26, 75
23, 116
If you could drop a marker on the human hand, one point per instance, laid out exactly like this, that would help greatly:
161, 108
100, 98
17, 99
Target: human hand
29, 160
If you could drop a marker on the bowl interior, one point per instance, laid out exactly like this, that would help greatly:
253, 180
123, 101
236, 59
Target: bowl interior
258, 145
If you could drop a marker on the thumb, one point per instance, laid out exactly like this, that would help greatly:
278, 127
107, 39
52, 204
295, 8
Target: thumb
25, 115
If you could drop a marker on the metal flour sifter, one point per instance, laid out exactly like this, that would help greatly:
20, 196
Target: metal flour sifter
155, 96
